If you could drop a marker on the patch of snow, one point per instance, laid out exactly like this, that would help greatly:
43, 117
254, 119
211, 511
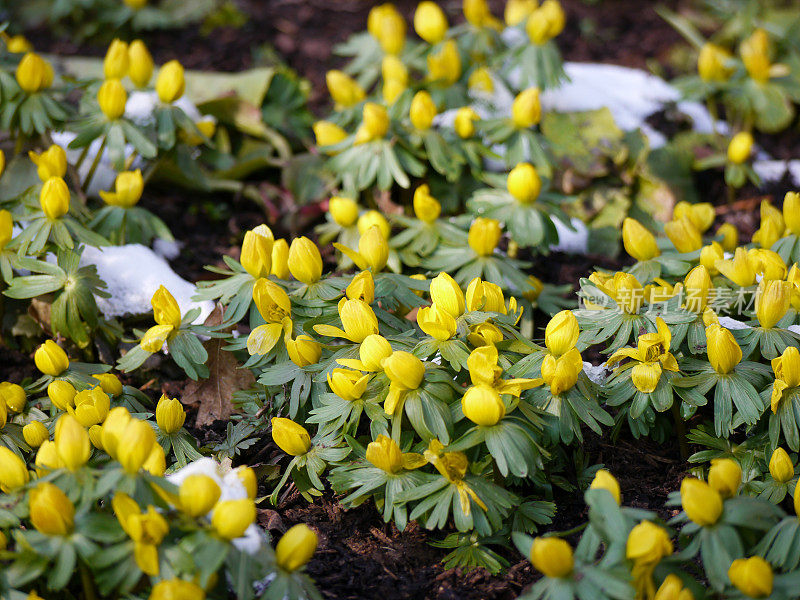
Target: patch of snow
168, 249
133, 273
573, 240
596, 374
732, 324
770, 170
794, 328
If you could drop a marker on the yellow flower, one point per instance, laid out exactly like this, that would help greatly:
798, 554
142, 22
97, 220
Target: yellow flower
35, 434
787, 374
34, 73
52, 513
738, 269
426, 207
247, 477
290, 437
526, 110
772, 302
712, 63
482, 405
638, 241
780, 465
725, 476
561, 373
51, 359
373, 217
47, 459
13, 396
175, 589
405, 372
373, 250
61, 394
328, 134
113, 429
358, 320
518, 10
391, 90
50, 163
170, 415
147, 530
17, 44
344, 90
480, 81
561, 333
701, 214
710, 255
170, 83
373, 349
343, 211
729, 235
485, 371
256, 254
135, 4
13, 472
791, 212
389, 28
447, 295
445, 65
723, 351
275, 307
156, 461
436, 322
740, 147
700, 501
752, 576
296, 546
477, 13
755, 55
165, 308
453, 467
552, 556
128, 187
672, 589
767, 263
393, 69
647, 544
6, 226
91, 406
385, 454
523, 183
626, 291
280, 259
484, 234
116, 61
423, 110
347, 384
464, 123
545, 22
198, 494
303, 351
231, 518
140, 64
697, 286
772, 226
684, 235
361, 287
430, 22
604, 480
54, 198
305, 261
653, 355
134, 445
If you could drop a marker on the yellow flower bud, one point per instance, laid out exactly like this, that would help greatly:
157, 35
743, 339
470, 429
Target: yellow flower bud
296, 547
712, 63
170, 82
134, 445
480, 81
545, 22
156, 462
362, 287
128, 188
328, 134
391, 90
344, 90
393, 69
91, 406
140, 64
426, 207
725, 476
740, 147
791, 212
772, 302
523, 183
752, 576
373, 350
17, 44
672, 589
436, 322
6, 227
390, 30
627, 292
797, 499
739, 270
447, 295
113, 429
47, 459
12, 396
385, 454
422, 111
34, 73
96, 436
290, 437
464, 123
484, 234
373, 249
231, 518
256, 254
638, 241
135, 4
358, 320
50, 163
518, 10
445, 65
61, 394
430, 22
477, 13
755, 55
304, 350
684, 235
526, 110
72, 442
248, 479
552, 556
561, 373
52, 513
280, 259
780, 466
604, 480
13, 472
170, 415
165, 308
347, 384
730, 236
647, 543
561, 333
51, 359
35, 434
710, 255
54, 198
404, 370
696, 286
482, 405
700, 501
344, 211
723, 351
109, 383
115, 64
198, 494
305, 261
373, 217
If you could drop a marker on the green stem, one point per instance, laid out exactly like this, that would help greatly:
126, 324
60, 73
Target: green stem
86, 581
680, 429
569, 532
151, 170
711, 106
129, 160
82, 157
95, 164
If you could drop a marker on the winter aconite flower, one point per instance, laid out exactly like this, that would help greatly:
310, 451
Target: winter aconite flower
752, 576
116, 61
52, 513
140, 64
344, 90
198, 494
128, 188
701, 503
169, 414
405, 372
296, 547
484, 234
483, 405
684, 235
34, 73
167, 315
305, 261
444, 65
787, 375
464, 122
772, 302
561, 333
430, 22
13, 472
724, 353
373, 250
256, 252
647, 544
358, 322
725, 476
344, 211
13, 396
231, 518
51, 359
422, 111
135, 445
780, 466
740, 147
652, 355
713, 63
371, 352
146, 529
54, 198
638, 241
328, 134
523, 183
561, 373
526, 110
35, 434
604, 480
170, 82
275, 308
290, 437
50, 163
552, 556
